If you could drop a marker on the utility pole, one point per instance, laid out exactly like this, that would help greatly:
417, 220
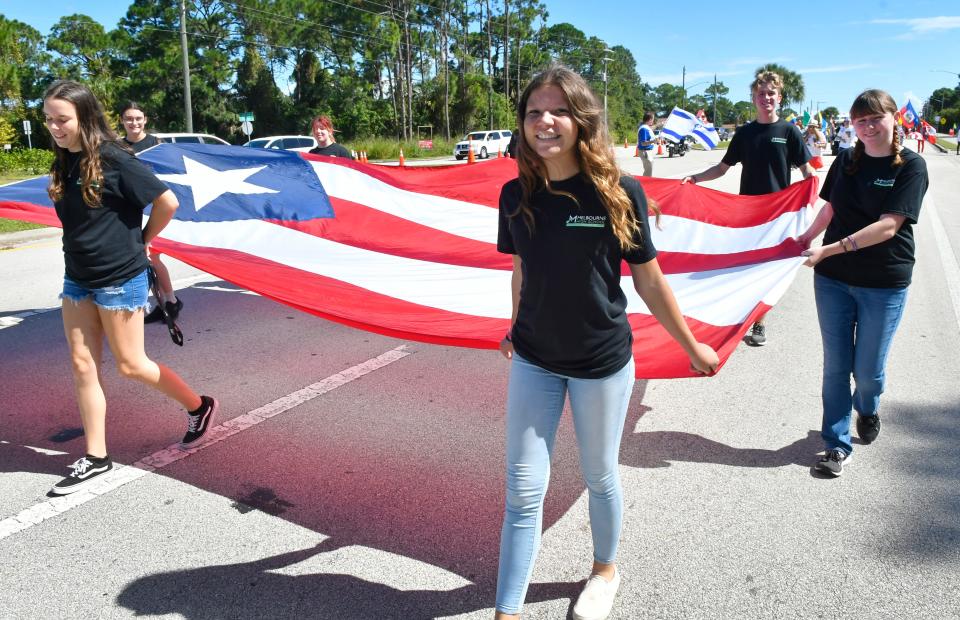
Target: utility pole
683, 88
605, 61
187, 105
715, 100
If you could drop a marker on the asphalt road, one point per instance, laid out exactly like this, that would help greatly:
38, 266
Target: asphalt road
358, 476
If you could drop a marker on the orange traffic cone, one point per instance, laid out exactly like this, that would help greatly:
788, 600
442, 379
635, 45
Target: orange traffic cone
625, 145
470, 158
660, 147
366, 159
402, 161
636, 152
499, 152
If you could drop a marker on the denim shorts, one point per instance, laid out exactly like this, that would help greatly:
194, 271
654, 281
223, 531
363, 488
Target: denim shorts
130, 295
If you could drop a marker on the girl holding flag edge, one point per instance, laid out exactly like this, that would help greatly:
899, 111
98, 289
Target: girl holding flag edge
99, 190
863, 269
569, 221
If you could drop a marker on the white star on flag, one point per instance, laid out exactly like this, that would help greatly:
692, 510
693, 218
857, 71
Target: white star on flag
208, 184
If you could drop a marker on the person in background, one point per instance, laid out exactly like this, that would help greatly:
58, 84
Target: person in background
327, 144
863, 270
99, 190
815, 142
570, 221
134, 121
645, 141
848, 136
767, 148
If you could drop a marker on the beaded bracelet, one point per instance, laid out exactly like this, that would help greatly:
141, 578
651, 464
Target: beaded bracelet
843, 245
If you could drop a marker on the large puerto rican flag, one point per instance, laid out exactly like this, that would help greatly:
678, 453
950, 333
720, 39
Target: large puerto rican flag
411, 252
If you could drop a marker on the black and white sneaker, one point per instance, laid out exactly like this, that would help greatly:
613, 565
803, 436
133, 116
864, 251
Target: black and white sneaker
832, 461
198, 423
83, 473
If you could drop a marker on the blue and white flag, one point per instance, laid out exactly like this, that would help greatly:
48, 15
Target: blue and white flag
681, 123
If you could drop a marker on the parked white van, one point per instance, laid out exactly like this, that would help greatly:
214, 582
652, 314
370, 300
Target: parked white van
190, 138
302, 144
485, 143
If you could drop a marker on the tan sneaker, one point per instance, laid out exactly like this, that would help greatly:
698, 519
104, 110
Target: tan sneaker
596, 600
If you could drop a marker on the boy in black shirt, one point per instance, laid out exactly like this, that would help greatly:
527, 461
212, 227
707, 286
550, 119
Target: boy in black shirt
767, 148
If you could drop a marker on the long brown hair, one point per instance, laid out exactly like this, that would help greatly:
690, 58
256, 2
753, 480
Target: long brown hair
873, 101
94, 130
593, 153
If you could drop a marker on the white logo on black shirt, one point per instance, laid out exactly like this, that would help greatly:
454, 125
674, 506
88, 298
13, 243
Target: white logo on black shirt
587, 221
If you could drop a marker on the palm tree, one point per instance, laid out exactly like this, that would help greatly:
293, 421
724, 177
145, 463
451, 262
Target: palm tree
793, 89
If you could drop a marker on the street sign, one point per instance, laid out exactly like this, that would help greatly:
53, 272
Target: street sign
247, 127
245, 116
26, 128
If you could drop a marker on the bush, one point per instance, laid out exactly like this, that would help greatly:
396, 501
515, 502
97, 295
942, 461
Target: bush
384, 148
26, 161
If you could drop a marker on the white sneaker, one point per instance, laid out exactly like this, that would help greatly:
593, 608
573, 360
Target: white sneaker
596, 600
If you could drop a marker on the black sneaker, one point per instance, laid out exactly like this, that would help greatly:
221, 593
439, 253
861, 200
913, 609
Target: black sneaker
199, 423
154, 316
758, 335
84, 473
868, 427
832, 461
174, 308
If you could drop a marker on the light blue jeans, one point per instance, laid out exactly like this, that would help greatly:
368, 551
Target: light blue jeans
534, 405
857, 325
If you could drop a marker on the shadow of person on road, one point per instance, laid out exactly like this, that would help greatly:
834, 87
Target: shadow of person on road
660, 448
250, 590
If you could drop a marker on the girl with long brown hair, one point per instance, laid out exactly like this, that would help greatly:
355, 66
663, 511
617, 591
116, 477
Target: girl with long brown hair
570, 220
100, 190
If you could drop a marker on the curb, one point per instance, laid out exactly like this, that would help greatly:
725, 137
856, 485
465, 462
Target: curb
9, 240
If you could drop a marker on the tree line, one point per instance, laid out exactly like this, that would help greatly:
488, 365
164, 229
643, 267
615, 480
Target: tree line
388, 68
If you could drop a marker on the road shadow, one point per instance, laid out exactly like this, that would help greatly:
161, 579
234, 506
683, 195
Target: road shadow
931, 528
661, 448
251, 590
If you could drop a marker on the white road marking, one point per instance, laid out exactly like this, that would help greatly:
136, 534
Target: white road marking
120, 476
951, 270
40, 450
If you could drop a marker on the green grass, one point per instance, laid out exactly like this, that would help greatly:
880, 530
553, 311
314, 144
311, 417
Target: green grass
386, 149
8, 226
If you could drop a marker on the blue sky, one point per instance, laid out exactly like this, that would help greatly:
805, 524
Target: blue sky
840, 48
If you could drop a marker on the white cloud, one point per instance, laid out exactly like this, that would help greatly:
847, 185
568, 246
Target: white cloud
835, 69
692, 77
919, 26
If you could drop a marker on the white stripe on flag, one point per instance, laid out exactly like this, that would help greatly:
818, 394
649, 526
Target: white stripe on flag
460, 218
720, 297
680, 234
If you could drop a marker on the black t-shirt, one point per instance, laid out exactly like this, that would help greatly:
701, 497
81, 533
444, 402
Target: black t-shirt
103, 245
767, 151
572, 316
333, 150
148, 141
859, 200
